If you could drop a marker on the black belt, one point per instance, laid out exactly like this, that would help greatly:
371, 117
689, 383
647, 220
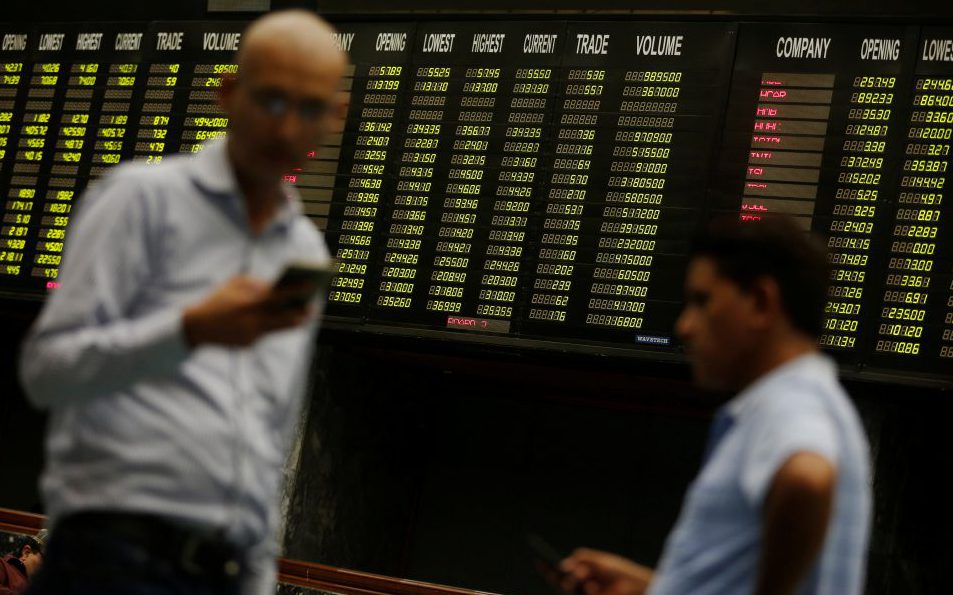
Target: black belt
194, 552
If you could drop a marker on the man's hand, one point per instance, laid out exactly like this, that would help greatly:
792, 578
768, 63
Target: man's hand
240, 311
593, 572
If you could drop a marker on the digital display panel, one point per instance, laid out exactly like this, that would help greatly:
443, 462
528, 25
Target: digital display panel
16, 66
915, 295
37, 161
69, 101
637, 111
357, 163
537, 182
814, 129
183, 69
469, 168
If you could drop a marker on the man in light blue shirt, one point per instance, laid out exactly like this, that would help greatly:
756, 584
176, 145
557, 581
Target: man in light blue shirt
172, 370
782, 504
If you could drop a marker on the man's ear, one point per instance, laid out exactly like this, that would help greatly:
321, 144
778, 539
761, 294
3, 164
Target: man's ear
766, 300
341, 105
26, 549
226, 91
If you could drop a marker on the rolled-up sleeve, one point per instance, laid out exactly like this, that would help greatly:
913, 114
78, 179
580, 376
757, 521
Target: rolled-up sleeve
784, 427
85, 341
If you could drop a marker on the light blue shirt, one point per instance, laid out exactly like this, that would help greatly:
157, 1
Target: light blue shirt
138, 421
715, 546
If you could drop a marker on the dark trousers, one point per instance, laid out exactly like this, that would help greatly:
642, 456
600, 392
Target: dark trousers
109, 555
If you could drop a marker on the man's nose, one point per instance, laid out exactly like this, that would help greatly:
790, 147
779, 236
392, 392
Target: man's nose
289, 125
684, 324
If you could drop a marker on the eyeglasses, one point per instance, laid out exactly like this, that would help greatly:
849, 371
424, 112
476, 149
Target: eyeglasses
276, 105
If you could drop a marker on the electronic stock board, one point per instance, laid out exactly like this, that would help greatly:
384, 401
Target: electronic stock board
538, 181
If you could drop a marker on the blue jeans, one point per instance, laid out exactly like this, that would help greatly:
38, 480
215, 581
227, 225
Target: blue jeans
102, 563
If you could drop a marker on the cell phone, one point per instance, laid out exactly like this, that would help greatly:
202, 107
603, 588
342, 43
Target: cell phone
546, 560
313, 278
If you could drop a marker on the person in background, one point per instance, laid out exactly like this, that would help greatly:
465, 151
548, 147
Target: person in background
172, 370
22, 563
782, 503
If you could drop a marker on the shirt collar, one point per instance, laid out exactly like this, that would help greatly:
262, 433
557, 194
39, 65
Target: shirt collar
820, 363
212, 171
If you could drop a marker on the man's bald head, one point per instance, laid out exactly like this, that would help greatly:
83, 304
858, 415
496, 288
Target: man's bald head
294, 32
286, 96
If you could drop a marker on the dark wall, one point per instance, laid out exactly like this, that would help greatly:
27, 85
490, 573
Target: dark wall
913, 531
21, 426
433, 466
431, 461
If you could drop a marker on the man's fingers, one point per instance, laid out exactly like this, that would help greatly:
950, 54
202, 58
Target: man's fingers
243, 309
582, 571
584, 554
565, 567
248, 285
282, 296
292, 289
288, 317
602, 573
